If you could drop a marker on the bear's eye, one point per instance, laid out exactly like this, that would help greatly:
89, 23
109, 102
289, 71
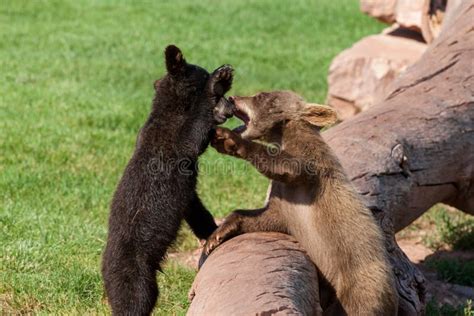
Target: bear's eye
190, 88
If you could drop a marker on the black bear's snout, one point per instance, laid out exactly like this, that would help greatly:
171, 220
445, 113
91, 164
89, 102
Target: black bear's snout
223, 110
229, 107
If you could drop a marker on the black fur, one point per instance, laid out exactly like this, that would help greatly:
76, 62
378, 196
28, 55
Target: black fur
158, 187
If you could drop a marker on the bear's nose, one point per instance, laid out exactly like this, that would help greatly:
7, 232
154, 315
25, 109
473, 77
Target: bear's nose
231, 99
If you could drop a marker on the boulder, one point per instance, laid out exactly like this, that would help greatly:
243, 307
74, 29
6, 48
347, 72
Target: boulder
359, 76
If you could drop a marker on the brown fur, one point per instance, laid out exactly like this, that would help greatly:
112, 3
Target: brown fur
310, 198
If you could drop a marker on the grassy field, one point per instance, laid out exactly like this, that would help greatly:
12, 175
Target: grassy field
75, 86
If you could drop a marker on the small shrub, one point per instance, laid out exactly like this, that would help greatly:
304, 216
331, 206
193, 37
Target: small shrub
453, 270
453, 229
433, 309
468, 310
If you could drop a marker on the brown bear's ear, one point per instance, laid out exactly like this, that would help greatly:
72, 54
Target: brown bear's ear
319, 115
175, 62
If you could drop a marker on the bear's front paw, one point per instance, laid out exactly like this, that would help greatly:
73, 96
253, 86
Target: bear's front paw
227, 142
220, 81
226, 231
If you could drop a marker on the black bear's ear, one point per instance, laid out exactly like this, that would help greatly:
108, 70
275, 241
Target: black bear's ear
175, 62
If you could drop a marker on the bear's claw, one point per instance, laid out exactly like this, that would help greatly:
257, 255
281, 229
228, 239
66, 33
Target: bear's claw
221, 80
227, 142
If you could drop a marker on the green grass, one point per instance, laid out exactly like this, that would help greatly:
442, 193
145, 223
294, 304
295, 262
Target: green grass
444, 230
75, 86
453, 270
433, 309
453, 229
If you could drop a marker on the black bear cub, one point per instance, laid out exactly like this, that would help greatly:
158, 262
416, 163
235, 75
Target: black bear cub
158, 187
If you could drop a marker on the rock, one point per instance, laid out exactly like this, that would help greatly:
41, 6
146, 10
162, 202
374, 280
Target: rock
408, 14
383, 10
359, 76
433, 13
423, 16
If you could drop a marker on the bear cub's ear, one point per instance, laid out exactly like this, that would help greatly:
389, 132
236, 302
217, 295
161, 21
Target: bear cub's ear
319, 115
175, 62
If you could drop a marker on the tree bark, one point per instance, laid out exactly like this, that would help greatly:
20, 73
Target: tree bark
411, 151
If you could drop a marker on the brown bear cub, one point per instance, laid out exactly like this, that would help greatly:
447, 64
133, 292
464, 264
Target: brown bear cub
310, 198
158, 188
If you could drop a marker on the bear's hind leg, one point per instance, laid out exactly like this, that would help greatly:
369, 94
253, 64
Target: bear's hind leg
130, 284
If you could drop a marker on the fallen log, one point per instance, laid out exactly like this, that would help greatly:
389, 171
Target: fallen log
267, 282
414, 149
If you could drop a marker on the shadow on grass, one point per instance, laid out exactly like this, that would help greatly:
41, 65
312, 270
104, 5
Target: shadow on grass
450, 276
